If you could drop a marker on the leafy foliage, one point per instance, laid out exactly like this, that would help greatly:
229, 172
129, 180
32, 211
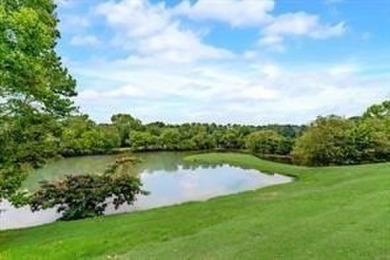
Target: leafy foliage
203, 136
335, 140
323, 143
85, 196
379, 110
32, 77
35, 88
268, 142
124, 123
82, 136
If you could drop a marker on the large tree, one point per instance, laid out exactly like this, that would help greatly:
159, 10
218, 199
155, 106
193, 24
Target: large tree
125, 123
335, 140
267, 142
325, 142
35, 88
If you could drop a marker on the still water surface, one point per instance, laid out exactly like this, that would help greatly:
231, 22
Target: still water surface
165, 175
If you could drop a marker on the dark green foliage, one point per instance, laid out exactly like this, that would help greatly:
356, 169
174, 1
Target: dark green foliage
130, 132
85, 196
11, 179
25, 143
124, 124
335, 140
144, 141
81, 136
202, 141
35, 88
32, 77
170, 138
268, 142
203, 136
379, 110
324, 143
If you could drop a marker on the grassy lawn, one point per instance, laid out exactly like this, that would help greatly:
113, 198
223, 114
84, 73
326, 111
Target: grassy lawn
328, 213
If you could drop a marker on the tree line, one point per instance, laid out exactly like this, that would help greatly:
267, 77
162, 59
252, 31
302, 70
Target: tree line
330, 140
82, 136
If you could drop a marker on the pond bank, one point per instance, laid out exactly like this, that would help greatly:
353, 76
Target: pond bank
169, 179
330, 213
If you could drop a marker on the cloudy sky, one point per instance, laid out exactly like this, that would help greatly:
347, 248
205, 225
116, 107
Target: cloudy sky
245, 61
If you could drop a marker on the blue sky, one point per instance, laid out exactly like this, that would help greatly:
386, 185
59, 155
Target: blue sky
226, 61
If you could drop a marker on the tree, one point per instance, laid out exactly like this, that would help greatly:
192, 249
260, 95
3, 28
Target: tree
334, 140
230, 139
267, 142
144, 141
379, 137
35, 88
109, 137
325, 142
124, 124
170, 139
81, 136
360, 146
85, 196
202, 141
376, 122
378, 110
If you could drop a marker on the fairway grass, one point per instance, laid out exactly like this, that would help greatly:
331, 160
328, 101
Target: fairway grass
327, 213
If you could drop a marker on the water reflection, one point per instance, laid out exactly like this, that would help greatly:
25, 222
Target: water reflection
171, 162
169, 179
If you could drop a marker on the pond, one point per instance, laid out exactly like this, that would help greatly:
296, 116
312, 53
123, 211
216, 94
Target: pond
169, 179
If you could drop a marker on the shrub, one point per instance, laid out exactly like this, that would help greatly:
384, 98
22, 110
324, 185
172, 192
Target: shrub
85, 196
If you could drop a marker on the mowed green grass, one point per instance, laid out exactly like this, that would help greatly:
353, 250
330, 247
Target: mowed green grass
328, 213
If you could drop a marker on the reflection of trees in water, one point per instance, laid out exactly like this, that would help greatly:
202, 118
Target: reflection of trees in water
128, 168
157, 161
243, 167
170, 162
58, 169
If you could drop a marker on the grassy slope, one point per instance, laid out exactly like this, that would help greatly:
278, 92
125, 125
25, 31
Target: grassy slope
330, 213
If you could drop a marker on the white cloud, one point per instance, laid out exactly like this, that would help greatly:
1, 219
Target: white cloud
227, 92
299, 24
237, 13
171, 74
121, 92
251, 92
158, 31
173, 44
152, 32
254, 13
271, 70
84, 40
271, 40
138, 18
346, 69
